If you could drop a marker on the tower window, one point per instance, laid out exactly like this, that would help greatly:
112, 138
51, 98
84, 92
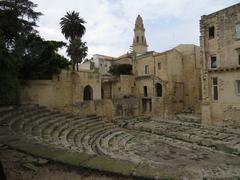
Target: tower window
159, 66
211, 32
145, 91
215, 88
146, 69
213, 62
137, 39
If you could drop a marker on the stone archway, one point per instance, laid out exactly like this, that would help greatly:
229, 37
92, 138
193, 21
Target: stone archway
88, 93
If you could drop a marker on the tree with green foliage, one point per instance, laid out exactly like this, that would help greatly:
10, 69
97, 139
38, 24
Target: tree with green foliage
9, 82
120, 69
18, 20
73, 29
77, 50
42, 60
23, 53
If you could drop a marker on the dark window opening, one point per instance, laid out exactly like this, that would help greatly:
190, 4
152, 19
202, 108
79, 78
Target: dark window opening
88, 93
211, 32
238, 56
239, 59
137, 39
159, 66
146, 69
238, 87
158, 90
213, 62
215, 88
145, 91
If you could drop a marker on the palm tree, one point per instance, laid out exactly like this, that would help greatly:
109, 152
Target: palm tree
77, 50
72, 25
73, 29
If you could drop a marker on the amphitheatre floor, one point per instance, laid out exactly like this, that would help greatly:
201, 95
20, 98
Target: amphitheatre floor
142, 147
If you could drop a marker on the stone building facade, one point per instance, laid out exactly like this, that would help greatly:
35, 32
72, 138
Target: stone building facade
161, 84
220, 55
164, 83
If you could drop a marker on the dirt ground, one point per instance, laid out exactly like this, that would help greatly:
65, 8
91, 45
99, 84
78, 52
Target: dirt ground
20, 166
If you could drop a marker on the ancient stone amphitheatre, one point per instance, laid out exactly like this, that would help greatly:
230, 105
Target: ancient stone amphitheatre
141, 146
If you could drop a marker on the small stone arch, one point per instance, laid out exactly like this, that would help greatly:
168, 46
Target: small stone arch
88, 93
158, 88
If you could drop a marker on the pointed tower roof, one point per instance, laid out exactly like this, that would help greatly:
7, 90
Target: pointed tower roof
139, 40
139, 23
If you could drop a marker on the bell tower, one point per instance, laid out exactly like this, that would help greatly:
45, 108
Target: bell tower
139, 41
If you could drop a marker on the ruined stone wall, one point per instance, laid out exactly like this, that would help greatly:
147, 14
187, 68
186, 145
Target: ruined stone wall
108, 109
124, 87
38, 92
191, 77
64, 89
65, 92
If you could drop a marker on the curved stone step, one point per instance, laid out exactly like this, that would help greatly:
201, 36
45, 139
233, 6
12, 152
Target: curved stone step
66, 135
76, 135
46, 118
119, 143
106, 142
56, 135
76, 127
16, 123
42, 125
100, 149
56, 130
9, 118
32, 121
88, 138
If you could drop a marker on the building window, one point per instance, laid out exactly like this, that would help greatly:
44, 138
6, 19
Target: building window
137, 39
237, 84
238, 56
159, 66
158, 90
211, 32
215, 88
145, 91
146, 69
213, 62
238, 31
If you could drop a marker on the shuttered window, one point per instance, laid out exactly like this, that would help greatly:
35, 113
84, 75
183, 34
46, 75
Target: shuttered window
238, 31
215, 88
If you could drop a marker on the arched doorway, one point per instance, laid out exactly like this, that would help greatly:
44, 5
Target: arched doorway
158, 87
88, 93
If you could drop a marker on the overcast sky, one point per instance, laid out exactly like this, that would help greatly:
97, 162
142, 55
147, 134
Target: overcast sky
110, 23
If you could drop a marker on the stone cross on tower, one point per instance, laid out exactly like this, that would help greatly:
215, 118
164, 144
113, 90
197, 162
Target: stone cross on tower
139, 41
